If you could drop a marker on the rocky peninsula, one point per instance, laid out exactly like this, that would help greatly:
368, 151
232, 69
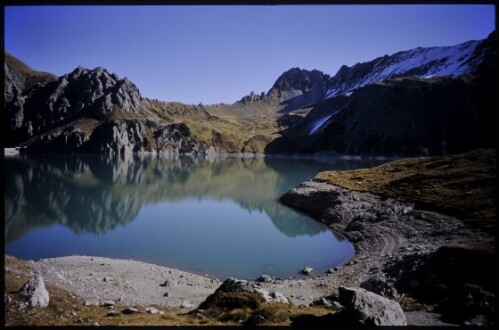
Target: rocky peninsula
423, 229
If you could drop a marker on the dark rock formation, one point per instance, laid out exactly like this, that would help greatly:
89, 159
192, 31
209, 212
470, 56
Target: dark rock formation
457, 279
299, 79
406, 116
81, 93
298, 88
252, 97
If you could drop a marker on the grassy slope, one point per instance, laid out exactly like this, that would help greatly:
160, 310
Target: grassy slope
28, 76
224, 127
462, 185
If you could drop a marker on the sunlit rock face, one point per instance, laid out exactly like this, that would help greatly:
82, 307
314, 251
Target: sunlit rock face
82, 93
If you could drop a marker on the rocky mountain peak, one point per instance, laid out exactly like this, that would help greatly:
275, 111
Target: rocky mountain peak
93, 93
299, 79
425, 63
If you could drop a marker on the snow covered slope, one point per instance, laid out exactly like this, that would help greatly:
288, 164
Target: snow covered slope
420, 62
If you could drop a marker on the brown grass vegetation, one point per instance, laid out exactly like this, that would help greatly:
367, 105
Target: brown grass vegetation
462, 185
222, 126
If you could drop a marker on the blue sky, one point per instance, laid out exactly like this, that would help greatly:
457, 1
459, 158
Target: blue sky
213, 54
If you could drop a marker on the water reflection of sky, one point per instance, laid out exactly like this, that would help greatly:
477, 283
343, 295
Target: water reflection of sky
219, 217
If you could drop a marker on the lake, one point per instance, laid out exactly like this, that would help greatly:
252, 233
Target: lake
219, 217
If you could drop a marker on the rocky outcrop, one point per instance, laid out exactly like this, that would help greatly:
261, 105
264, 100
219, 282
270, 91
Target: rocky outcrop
121, 137
35, 292
81, 93
366, 308
298, 79
252, 97
177, 139
235, 293
298, 88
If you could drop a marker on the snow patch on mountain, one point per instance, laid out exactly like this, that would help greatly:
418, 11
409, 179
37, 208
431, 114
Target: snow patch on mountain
420, 62
319, 123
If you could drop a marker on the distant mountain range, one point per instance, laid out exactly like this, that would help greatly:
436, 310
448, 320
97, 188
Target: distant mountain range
418, 102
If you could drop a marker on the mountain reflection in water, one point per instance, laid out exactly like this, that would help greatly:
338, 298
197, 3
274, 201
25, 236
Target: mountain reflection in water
96, 194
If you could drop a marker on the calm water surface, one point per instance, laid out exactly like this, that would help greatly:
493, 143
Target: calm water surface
219, 217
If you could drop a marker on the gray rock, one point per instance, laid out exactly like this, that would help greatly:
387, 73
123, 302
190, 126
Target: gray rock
92, 302
371, 309
130, 310
330, 271
107, 303
265, 279
277, 297
307, 270
380, 287
152, 310
34, 290
186, 304
322, 302
112, 313
233, 285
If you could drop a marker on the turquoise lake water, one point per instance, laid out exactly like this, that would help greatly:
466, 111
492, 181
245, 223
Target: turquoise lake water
218, 217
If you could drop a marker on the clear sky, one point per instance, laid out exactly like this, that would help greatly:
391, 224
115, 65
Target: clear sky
213, 54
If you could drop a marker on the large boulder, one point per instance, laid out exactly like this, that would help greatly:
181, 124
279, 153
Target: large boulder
35, 292
233, 293
234, 285
367, 308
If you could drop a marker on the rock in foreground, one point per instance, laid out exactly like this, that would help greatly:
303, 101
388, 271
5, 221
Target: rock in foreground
370, 309
34, 290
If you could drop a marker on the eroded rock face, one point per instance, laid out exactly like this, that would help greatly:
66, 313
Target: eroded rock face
175, 139
82, 93
370, 309
118, 138
35, 292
